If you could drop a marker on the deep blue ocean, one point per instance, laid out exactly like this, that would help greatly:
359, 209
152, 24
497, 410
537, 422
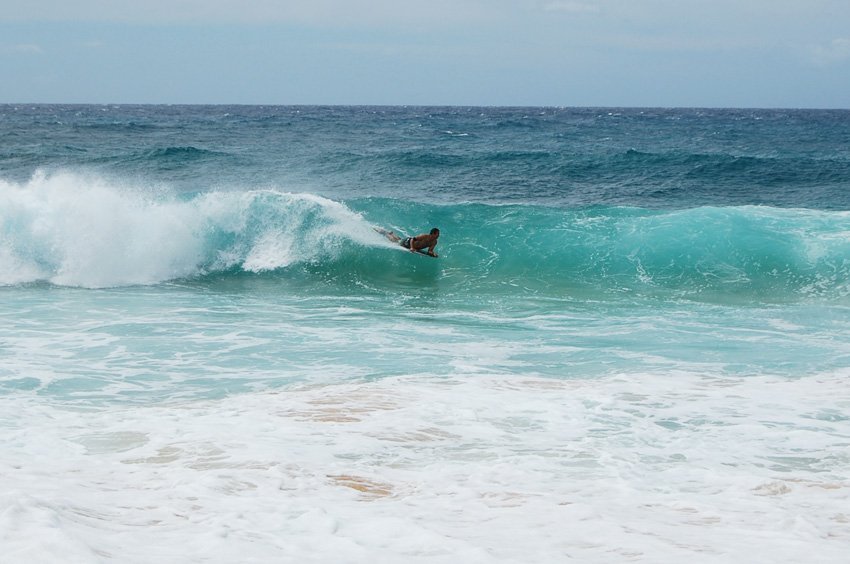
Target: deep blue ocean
639, 324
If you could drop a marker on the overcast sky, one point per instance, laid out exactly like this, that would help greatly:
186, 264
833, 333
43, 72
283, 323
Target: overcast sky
707, 53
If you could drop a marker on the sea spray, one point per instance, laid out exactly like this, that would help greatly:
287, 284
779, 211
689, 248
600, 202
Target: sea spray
86, 231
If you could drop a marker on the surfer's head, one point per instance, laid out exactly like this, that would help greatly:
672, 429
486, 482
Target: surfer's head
435, 232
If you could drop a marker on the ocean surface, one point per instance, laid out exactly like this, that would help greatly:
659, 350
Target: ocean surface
633, 347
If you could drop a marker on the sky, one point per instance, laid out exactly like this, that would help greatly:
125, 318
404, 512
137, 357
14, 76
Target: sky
598, 53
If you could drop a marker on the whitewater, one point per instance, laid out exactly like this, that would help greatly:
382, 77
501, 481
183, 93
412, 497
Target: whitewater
632, 348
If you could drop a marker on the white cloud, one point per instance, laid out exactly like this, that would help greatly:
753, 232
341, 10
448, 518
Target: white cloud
836, 51
341, 13
21, 49
678, 43
571, 7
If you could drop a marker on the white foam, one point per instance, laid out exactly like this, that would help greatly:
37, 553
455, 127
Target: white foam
87, 231
636, 467
272, 250
76, 230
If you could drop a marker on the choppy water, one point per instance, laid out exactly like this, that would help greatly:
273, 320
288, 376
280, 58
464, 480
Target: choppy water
633, 347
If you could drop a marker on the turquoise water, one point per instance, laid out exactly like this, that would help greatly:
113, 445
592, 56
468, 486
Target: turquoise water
224, 292
639, 320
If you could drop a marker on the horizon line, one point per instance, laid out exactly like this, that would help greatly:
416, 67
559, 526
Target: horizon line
362, 105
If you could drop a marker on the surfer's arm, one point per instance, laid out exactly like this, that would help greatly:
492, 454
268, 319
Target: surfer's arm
431, 250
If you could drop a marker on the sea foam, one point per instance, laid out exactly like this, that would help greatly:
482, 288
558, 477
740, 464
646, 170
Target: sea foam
76, 230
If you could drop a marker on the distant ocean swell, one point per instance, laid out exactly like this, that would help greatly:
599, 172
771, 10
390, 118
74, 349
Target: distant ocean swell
554, 168
74, 230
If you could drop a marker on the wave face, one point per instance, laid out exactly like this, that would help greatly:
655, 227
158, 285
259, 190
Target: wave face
72, 230
734, 253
